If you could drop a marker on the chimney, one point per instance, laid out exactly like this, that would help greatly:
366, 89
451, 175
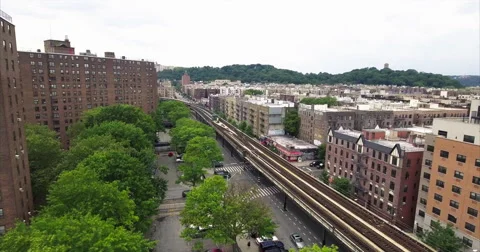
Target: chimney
88, 51
66, 38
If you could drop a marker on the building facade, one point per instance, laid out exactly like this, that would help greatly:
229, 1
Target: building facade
384, 173
449, 190
16, 201
59, 87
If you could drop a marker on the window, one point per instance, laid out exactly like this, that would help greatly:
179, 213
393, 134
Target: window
430, 148
1, 212
442, 133
423, 201
468, 139
424, 188
440, 183
428, 162
436, 211
467, 242
438, 197
470, 227
421, 213
426, 175
477, 162
452, 218
473, 212
461, 158
444, 154
458, 174
456, 189
476, 180
392, 186
454, 204
394, 173
442, 169
475, 196
2, 230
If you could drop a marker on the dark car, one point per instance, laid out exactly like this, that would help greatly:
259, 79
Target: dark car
223, 173
184, 193
217, 164
318, 164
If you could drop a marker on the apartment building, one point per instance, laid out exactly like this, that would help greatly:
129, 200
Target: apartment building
385, 173
449, 190
58, 87
165, 89
16, 202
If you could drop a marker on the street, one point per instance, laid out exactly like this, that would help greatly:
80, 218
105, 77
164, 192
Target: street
294, 220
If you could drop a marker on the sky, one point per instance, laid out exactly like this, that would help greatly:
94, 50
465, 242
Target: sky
439, 36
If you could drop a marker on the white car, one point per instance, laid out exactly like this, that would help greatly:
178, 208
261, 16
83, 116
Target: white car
265, 238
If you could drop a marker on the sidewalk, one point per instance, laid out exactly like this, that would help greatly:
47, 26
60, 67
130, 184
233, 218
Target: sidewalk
242, 244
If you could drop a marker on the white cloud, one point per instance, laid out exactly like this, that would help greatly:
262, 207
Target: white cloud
439, 36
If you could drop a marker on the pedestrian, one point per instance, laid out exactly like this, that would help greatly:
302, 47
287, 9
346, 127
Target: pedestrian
248, 244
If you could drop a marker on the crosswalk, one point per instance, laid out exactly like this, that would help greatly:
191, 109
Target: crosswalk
235, 168
267, 191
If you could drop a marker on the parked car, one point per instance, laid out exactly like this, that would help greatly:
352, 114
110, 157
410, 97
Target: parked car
179, 158
217, 164
265, 238
317, 163
297, 240
184, 193
223, 173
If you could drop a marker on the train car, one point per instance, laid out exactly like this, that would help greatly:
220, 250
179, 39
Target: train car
215, 118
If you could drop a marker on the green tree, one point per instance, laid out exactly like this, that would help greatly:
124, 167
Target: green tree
191, 173
171, 111
343, 186
123, 113
330, 101
292, 122
81, 191
44, 152
322, 149
316, 248
83, 148
187, 129
72, 233
242, 126
227, 211
249, 131
325, 177
202, 151
442, 238
145, 190
252, 92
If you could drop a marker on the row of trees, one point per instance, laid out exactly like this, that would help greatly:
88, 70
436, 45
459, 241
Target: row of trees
268, 73
330, 101
100, 194
252, 92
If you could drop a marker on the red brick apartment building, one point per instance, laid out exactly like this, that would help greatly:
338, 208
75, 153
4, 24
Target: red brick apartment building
15, 189
59, 85
385, 173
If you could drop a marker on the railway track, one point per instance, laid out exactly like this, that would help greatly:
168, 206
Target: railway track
315, 193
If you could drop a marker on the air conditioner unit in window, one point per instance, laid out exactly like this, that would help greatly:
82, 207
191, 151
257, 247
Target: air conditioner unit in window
19, 119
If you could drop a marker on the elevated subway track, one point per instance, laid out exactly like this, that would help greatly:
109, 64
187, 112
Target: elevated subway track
359, 228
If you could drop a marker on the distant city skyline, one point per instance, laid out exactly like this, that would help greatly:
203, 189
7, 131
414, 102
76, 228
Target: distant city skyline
438, 36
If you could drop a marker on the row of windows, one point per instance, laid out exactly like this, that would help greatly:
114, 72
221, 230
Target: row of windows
92, 59
445, 154
453, 219
5, 48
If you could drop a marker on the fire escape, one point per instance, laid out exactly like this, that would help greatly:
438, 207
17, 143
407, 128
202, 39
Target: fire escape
360, 177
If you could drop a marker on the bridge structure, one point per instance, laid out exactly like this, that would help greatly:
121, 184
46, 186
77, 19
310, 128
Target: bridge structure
355, 226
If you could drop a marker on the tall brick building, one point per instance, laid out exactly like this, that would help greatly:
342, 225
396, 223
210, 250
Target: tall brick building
15, 189
385, 173
58, 87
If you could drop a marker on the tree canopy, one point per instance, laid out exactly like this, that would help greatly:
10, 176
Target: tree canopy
225, 212
342, 185
81, 191
170, 111
185, 130
72, 233
123, 113
316, 248
252, 92
442, 238
202, 151
268, 73
292, 122
44, 153
330, 101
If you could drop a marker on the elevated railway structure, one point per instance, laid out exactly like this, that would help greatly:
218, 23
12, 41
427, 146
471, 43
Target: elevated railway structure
358, 228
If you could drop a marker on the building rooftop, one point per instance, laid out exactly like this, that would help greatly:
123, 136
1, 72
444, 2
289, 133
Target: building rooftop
295, 142
5, 16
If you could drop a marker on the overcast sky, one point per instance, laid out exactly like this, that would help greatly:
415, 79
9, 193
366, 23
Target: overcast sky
440, 36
